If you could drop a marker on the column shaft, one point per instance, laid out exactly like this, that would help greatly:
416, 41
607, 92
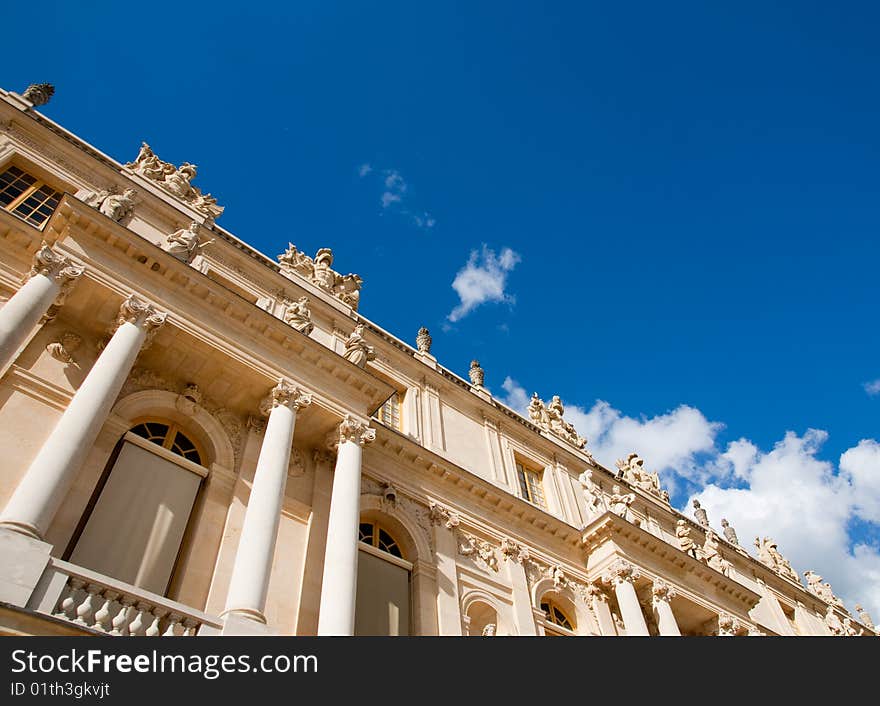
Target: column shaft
630, 609
22, 312
666, 623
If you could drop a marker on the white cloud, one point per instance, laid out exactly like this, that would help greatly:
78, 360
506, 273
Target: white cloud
394, 193
483, 279
873, 387
806, 504
364, 169
388, 198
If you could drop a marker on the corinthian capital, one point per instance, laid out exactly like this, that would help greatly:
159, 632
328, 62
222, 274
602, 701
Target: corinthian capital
620, 571
285, 394
49, 263
662, 591
354, 430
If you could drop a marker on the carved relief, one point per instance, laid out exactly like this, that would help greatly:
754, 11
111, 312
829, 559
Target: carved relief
729, 626
299, 317
822, 590
117, 207
138, 312
184, 243
592, 495
662, 591
711, 554
621, 570
356, 348
685, 541
59, 268
479, 551
287, 395
549, 418
351, 429
512, 551
442, 515
174, 180
318, 271
64, 349
297, 466
769, 555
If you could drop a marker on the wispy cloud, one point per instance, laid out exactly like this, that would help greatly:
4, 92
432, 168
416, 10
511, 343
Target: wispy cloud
873, 387
394, 193
483, 279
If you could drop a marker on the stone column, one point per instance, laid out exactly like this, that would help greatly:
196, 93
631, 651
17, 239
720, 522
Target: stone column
249, 584
339, 585
48, 283
662, 593
43, 488
621, 575
448, 607
599, 603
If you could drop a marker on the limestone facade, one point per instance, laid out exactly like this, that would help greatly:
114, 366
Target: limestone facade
201, 439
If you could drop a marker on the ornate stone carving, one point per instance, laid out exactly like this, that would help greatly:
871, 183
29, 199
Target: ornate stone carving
318, 271
479, 551
356, 348
832, 622
619, 502
489, 630
174, 180
442, 515
700, 514
633, 472
592, 495
297, 466
423, 341
557, 573
135, 310
513, 551
298, 316
256, 424
729, 533
662, 591
712, 554
685, 541
184, 243
729, 626
822, 590
621, 570
549, 418
864, 617
57, 267
769, 555
285, 394
64, 349
39, 93
476, 374
351, 429
117, 207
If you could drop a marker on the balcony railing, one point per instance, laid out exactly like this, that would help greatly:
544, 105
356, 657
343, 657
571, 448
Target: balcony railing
102, 604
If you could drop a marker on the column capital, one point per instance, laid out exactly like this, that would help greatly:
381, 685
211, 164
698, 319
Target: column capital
619, 572
662, 591
594, 591
287, 395
57, 267
354, 430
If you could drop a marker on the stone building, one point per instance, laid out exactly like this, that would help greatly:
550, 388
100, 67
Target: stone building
200, 439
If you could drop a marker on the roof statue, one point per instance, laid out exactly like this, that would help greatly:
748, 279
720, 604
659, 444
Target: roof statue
318, 272
174, 180
632, 471
549, 418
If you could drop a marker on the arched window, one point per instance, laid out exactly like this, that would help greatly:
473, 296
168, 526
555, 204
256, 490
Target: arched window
376, 536
384, 603
555, 615
169, 436
135, 523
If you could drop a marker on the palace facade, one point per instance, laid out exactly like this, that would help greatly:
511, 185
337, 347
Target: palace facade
199, 439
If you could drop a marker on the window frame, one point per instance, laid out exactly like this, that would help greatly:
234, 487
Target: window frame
39, 182
551, 620
397, 399
530, 477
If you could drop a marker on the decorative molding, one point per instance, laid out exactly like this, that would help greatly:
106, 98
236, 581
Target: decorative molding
393, 501
481, 552
621, 570
513, 551
662, 591
442, 515
65, 347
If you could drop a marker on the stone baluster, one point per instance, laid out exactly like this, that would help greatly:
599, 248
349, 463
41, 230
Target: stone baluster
102, 617
137, 625
158, 614
190, 627
122, 618
85, 611
174, 627
67, 607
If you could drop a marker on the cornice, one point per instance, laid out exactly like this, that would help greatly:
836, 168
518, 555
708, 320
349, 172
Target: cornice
609, 527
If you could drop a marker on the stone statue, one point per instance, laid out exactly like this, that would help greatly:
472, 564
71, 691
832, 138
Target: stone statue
700, 514
39, 93
848, 629
476, 374
64, 349
832, 622
318, 272
489, 630
729, 533
324, 276
822, 590
299, 317
619, 502
175, 180
549, 418
558, 576
632, 470
184, 244
712, 554
118, 207
769, 555
685, 542
356, 348
592, 495
864, 617
423, 341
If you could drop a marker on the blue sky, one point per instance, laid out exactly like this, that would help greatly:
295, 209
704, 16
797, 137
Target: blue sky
670, 211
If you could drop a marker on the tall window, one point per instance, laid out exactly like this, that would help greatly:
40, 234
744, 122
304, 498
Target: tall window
555, 616
383, 605
375, 536
530, 485
389, 413
27, 197
168, 436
